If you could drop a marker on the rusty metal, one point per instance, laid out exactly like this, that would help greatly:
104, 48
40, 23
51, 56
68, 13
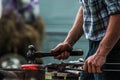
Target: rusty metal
77, 67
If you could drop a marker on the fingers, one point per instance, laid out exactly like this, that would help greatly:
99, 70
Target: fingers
91, 67
98, 69
63, 55
85, 66
94, 63
64, 48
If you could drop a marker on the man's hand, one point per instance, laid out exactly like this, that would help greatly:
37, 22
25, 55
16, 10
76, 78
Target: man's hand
64, 48
94, 63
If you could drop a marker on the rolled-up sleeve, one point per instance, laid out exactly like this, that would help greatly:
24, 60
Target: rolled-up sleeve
113, 6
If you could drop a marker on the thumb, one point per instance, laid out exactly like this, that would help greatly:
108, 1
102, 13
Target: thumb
52, 50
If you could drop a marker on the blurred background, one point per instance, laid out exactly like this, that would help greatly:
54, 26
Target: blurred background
43, 23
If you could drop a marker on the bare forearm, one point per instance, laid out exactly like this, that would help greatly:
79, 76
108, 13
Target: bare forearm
111, 37
76, 32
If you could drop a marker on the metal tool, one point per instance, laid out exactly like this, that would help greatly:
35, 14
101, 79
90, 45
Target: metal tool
77, 66
32, 54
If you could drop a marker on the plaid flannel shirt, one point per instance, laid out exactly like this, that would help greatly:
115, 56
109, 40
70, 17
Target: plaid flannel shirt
96, 16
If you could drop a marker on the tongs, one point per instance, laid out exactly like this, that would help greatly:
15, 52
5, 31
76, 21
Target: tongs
77, 66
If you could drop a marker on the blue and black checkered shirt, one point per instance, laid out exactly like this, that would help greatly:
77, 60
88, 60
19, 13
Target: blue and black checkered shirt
96, 16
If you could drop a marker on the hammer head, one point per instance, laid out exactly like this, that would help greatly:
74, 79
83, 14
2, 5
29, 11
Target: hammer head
30, 53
